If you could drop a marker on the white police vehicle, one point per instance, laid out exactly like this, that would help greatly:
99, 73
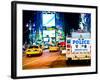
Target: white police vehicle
80, 48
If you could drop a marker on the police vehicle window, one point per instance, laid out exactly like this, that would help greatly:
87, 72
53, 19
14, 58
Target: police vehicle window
82, 46
76, 46
85, 46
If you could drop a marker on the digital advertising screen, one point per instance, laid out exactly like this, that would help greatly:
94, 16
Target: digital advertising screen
48, 33
48, 20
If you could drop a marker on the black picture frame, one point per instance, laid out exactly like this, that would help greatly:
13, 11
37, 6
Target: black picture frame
14, 38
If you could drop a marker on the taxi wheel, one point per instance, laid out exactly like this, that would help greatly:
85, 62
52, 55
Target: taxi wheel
41, 53
28, 55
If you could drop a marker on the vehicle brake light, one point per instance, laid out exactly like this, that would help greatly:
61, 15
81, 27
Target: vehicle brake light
68, 46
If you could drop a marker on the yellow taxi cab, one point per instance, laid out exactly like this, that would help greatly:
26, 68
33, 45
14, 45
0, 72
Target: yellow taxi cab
53, 48
33, 50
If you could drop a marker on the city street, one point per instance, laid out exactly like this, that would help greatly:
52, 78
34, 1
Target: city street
46, 60
47, 31
51, 60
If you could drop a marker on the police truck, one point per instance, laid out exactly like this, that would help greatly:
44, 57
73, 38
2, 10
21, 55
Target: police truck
78, 46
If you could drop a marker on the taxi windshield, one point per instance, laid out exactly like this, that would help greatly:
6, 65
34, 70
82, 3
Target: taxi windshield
33, 47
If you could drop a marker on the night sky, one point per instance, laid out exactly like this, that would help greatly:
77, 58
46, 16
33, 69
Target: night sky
27, 15
71, 21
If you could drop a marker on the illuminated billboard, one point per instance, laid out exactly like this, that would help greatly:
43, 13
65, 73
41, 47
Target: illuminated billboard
48, 20
48, 33
46, 39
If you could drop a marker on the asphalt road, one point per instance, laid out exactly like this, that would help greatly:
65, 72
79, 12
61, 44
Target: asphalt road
46, 60
50, 60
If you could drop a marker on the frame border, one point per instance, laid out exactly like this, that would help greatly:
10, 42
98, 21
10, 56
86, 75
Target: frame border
14, 39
